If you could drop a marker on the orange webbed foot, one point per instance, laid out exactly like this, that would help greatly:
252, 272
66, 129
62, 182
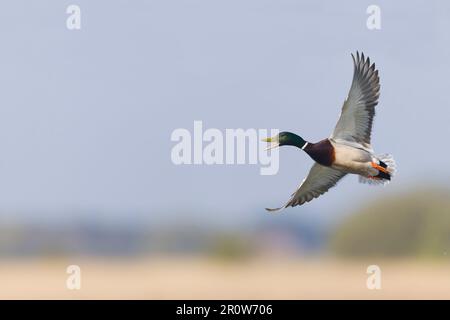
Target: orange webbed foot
379, 168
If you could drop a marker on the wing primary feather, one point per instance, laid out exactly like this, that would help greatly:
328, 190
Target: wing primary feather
319, 180
357, 114
275, 209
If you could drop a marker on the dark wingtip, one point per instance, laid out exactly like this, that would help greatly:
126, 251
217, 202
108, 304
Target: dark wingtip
274, 209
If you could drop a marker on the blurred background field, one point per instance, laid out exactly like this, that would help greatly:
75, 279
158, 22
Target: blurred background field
406, 235
201, 278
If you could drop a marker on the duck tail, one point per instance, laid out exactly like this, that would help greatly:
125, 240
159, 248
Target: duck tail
387, 161
382, 178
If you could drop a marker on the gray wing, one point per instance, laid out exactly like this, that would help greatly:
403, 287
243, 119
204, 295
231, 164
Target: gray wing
318, 181
355, 122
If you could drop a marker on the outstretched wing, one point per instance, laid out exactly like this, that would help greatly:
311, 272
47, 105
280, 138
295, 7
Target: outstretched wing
318, 181
355, 123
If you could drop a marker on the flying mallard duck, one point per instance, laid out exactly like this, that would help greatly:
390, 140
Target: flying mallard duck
348, 149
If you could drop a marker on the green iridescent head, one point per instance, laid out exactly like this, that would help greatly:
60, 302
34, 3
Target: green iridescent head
286, 139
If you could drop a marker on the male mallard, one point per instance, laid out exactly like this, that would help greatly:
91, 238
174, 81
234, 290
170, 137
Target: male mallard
348, 149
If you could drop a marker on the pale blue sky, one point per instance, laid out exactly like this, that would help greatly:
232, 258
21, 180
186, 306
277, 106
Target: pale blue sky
86, 116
